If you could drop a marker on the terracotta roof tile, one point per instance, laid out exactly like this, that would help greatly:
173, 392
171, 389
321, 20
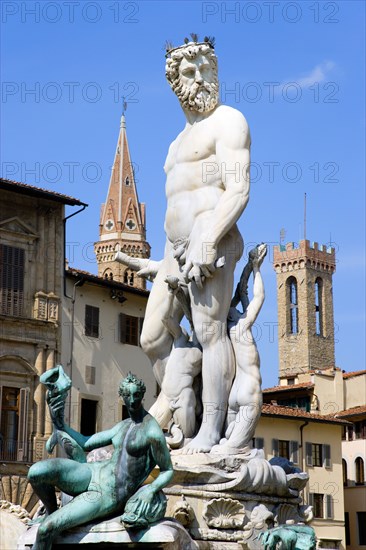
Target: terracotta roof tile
353, 373
289, 387
18, 187
79, 273
354, 411
276, 410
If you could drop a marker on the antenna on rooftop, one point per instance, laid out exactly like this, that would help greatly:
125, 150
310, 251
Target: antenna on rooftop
304, 216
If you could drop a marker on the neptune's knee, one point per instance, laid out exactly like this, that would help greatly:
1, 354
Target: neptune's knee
37, 471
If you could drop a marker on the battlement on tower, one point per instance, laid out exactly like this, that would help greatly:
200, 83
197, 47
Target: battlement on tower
296, 256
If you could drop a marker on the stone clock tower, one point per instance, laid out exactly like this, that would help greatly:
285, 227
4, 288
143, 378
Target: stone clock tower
122, 219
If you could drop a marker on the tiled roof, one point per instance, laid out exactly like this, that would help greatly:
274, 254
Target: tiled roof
289, 412
289, 387
80, 274
353, 373
354, 411
18, 187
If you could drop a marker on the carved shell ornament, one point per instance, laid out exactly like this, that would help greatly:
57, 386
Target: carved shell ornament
224, 513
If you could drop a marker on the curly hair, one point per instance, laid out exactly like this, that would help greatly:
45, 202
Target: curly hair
190, 51
130, 379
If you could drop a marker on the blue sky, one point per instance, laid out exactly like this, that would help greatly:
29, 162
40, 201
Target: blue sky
294, 69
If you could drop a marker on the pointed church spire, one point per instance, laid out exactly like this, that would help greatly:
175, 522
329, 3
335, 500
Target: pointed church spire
122, 220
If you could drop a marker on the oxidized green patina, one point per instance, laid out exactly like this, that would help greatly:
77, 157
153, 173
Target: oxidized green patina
291, 537
110, 487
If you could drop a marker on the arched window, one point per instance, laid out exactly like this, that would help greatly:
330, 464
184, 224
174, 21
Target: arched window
360, 471
318, 289
344, 470
125, 277
293, 305
131, 279
127, 181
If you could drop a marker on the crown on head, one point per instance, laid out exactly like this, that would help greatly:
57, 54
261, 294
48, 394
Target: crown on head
208, 41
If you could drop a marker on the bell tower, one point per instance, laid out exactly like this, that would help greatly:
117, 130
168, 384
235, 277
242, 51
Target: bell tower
305, 307
122, 219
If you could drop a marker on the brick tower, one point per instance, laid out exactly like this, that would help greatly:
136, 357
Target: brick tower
305, 307
122, 219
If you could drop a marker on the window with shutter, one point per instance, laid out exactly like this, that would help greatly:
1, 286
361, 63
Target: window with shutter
328, 506
309, 454
327, 463
284, 448
92, 321
129, 328
258, 443
316, 500
11, 280
317, 452
23, 424
275, 447
294, 452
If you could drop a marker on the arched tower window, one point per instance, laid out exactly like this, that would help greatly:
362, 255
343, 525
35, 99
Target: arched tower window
318, 289
108, 274
125, 277
344, 470
293, 305
127, 181
360, 471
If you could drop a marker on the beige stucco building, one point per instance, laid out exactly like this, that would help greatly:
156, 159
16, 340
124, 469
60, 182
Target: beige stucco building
313, 444
32, 222
101, 322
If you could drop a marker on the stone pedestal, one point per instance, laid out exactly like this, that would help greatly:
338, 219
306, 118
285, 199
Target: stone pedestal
168, 535
227, 502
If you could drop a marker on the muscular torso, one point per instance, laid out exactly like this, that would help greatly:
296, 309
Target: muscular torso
193, 184
131, 462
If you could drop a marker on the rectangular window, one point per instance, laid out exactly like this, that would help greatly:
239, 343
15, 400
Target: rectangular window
258, 442
284, 449
358, 430
344, 433
318, 505
318, 455
316, 452
89, 375
92, 321
88, 420
11, 280
350, 433
14, 445
129, 329
346, 526
361, 520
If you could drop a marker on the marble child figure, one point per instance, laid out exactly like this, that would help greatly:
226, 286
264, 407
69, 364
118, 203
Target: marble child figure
245, 400
177, 399
207, 189
110, 487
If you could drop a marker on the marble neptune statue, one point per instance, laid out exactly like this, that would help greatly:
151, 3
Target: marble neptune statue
207, 190
106, 488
